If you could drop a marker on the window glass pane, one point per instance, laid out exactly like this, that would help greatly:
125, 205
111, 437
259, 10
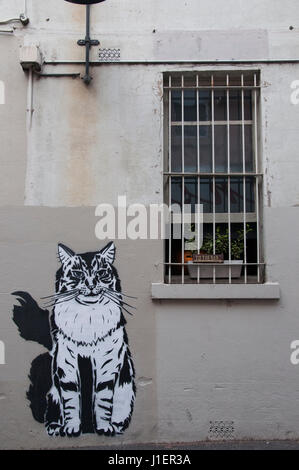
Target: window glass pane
205, 145
220, 133
250, 195
176, 80
236, 157
206, 194
235, 107
219, 79
248, 80
221, 195
235, 80
204, 97
236, 195
204, 79
190, 105
248, 148
247, 105
189, 80
176, 105
251, 252
176, 191
220, 107
191, 192
176, 148
190, 147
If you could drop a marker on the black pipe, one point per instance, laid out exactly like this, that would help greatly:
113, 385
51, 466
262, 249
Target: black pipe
87, 77
87, 42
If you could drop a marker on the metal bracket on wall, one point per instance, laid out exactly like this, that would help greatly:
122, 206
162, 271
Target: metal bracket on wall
57, 75
23, 18
87, 42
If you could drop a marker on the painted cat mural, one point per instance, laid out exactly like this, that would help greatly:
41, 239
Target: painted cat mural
86, 382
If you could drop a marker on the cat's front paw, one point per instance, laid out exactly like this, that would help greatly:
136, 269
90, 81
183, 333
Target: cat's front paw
70, 429
53, 429
106, 429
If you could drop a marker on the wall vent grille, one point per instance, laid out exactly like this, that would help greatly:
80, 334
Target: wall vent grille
109, 55
221, 429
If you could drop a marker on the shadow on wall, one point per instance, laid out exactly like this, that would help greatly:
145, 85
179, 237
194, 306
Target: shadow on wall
33, 325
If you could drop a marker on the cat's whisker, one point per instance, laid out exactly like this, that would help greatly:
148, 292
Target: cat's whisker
130, 313
60, 295
116, 293
118, 303
62, 298
57, 302
121, 300
106, 295
121, 293
118, 297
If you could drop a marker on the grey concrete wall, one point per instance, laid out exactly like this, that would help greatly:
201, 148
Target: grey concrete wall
196, 361
24, 253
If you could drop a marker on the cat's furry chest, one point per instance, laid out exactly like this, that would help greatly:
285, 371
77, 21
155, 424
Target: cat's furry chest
86, 324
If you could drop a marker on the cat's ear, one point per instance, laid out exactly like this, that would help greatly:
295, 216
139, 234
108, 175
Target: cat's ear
64, 253
108, 253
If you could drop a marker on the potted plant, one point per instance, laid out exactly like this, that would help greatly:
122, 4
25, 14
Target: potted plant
221, 247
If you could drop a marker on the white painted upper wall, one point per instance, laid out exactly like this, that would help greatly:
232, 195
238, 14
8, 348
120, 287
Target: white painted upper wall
67, 157
142, 15
184, 29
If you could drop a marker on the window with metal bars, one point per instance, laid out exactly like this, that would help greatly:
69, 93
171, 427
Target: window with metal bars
211, 158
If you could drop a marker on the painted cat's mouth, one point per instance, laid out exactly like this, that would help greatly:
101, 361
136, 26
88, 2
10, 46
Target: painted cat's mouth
88, 299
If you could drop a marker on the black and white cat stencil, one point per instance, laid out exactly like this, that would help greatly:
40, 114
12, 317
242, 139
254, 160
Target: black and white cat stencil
86, 382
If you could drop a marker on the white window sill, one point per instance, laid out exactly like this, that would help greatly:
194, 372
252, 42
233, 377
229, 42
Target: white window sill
269, 291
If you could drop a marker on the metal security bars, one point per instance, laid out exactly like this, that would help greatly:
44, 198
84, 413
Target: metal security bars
211, 160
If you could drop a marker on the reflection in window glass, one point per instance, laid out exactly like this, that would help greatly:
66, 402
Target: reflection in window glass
205, 148
176, 148
190, 109
247, 105
220, 133
221, 195
248, 148
220, 107
191, 192
190, 148
176, 191
235, 107
236, 155
206, 194
176, 105
204, 97
236, 195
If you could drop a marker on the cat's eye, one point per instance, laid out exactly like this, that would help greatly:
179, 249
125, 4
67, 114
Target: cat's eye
78, 274
103, 275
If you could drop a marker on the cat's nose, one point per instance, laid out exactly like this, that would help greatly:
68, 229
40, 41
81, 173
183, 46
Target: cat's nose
90, 284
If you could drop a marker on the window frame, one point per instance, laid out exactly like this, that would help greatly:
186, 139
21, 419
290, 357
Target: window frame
257, 174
